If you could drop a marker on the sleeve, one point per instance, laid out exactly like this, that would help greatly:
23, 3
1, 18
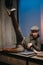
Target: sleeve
27, 39
38, 46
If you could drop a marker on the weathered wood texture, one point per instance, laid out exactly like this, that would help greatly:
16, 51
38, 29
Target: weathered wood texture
7, 32
14, 61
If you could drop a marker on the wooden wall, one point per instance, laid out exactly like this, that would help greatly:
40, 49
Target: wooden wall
7, 32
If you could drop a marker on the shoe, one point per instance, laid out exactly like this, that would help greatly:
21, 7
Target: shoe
11, 10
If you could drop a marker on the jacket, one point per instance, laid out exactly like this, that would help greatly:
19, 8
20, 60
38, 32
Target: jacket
35, 42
